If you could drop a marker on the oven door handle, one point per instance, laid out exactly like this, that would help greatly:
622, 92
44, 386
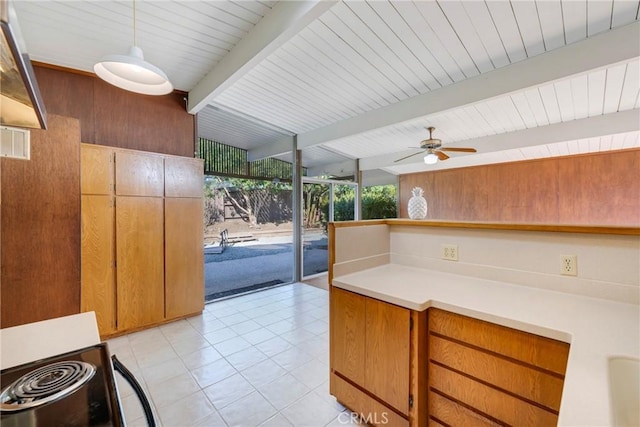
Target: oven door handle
131, 379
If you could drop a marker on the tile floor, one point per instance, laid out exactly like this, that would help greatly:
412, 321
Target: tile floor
258, 359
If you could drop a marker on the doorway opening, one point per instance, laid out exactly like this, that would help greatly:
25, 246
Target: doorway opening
323, 201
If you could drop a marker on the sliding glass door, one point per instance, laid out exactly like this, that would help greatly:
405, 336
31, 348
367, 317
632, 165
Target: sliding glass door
323, 201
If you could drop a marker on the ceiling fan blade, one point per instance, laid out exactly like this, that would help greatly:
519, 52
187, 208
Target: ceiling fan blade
459, 149
441, 155
406, 157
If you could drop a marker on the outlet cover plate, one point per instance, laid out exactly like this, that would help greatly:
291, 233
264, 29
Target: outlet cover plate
449, 252
569, 265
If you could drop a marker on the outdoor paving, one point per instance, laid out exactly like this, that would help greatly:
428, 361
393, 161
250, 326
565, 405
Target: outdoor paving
256, 264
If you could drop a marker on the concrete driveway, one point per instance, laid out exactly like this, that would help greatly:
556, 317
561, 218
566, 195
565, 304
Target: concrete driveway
253, 265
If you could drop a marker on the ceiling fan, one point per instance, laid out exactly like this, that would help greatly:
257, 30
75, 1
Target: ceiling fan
434, 149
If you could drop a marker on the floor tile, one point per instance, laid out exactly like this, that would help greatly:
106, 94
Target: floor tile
267, 319
163, 371
175, 388
220, 335
263, 373
249, 411
221, 312
156, 357
276, 421
317, 326
228, 390
233, 319
201, 357
148, 335
231, 346
297, 336
239, 367
186, 411
210, 326
274, 346
310, 410
244, 327
312, 373
283, 391
280, 327
292, 358
212, 420
118, 342
213, 372
320, 313
346, 418
246, 358
328, 398
258, 336
131, 407
189, 345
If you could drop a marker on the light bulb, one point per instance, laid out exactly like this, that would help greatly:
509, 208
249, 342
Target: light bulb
430, 159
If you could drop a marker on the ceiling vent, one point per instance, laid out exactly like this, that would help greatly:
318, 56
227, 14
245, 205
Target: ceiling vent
15, 143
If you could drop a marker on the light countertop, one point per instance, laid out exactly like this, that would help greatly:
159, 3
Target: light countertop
597, 329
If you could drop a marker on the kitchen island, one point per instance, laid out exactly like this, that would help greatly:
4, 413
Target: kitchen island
595, 313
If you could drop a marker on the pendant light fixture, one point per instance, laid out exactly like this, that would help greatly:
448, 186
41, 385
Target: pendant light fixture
131, 72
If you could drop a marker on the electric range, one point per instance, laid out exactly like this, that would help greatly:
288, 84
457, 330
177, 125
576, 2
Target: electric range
72, 389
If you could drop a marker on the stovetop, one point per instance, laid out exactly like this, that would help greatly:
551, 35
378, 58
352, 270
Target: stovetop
72, 389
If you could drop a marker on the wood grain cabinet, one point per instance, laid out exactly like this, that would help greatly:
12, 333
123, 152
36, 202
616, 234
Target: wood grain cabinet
142, 256
97, 259
140, 261
98, 284
370, 357
184, 227
399, 367
481, 373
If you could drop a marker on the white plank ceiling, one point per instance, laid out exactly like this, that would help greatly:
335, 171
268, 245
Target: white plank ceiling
359, 57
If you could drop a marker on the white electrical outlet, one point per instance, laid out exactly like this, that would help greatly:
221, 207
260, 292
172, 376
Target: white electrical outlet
569, 265
449, 252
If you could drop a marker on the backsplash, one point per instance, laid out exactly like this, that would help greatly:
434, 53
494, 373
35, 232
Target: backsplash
608, 266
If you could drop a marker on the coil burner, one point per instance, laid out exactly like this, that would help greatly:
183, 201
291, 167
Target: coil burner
45, 384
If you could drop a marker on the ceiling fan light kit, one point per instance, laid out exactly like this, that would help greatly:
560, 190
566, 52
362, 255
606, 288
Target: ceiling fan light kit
131, 72
434, 149
431, 159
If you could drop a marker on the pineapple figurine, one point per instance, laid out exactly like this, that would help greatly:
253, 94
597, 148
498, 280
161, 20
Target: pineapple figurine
417, 204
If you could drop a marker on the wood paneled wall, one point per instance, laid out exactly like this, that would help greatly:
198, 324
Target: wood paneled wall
117, 118
40, 234
590, 189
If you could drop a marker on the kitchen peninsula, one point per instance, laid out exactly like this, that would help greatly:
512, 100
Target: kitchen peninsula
498, 334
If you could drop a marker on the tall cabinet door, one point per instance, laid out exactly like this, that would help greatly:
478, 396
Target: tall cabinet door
98, 290
98, 286
184, 256
140, 260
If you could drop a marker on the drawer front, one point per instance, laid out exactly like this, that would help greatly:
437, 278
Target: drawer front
498, 374
444, 411
488, 400
521, 380
532, 349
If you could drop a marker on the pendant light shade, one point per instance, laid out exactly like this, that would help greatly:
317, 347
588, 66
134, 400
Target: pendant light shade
131, 72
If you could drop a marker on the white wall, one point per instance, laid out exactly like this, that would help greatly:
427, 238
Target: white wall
608, 265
